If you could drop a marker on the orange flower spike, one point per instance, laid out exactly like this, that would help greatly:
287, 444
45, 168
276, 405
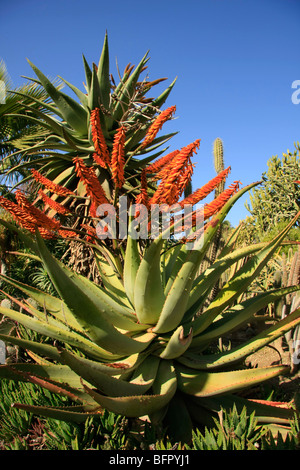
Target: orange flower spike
185, 178
216, 205
59, 208
67, 234
93, 187
157, 125
179, 164
201, 193
55, 188
117, 157
24, 219
40, 217
20, 215
101, 155
158, 195
162, 163
142, 198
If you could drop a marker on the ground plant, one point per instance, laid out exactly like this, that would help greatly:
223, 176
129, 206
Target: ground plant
143, 342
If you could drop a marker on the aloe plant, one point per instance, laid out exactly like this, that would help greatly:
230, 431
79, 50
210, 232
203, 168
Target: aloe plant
137, 345
68, 127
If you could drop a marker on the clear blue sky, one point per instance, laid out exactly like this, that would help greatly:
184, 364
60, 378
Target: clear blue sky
235, 61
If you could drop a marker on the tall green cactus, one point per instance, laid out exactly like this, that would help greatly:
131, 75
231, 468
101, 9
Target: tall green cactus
289, 303
218, 157
218, 153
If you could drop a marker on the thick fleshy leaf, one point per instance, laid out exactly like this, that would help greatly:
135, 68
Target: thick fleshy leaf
103, 75
38, 348
240, 352
177, 344
59, 374
131, 264
205, 384
239, 314
93, 373
82, 96
88, 73
148, 289
110, 277
243, 278
77, 414
52, 304
69, 337
164, 389
73, 113
173, 264
89, 314
113, 309
210, 276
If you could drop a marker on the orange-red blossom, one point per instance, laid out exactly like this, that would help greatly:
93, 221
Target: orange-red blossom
157, 125
48, 184
216, 205
117, 157
168, 190
161, 164
101, 155
59, 208
205, 190
26, 219
93, 187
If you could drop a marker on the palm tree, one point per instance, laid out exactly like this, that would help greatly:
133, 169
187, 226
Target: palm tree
17, 129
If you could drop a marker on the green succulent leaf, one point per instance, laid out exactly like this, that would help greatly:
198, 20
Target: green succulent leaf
73, 113
178, 343
239, 314
239, 353
131, 265
103, 74
61, 334
45, 350
52, 304
90, 315
240, 281
148, 289
209, 277
205, 384
110, 277
94, 374
77, 414
164, 388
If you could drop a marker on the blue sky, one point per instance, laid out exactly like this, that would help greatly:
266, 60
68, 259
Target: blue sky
235, 62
